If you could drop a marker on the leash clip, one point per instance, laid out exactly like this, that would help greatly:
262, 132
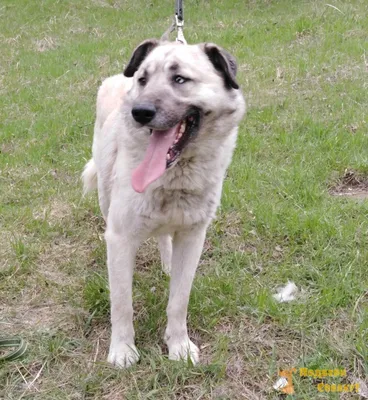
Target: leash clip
179, 22
179, 28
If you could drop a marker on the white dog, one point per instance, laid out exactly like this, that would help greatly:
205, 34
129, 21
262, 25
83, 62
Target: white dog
164, 136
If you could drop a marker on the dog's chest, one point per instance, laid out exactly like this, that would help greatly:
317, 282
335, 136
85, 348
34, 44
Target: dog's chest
178, 207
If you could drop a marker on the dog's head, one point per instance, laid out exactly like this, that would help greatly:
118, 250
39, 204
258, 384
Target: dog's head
177, 91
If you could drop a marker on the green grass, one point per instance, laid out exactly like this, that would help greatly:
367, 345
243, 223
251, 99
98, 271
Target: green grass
303, 69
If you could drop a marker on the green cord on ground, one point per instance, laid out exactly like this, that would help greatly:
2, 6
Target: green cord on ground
20, 348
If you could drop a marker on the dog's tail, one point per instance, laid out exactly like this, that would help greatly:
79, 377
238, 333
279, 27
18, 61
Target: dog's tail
89, 177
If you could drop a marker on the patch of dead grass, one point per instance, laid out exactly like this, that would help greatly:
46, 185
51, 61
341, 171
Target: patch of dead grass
6, 258
251, 348
352, 185
36, 307
22, 317
55, 212
107, 4
336, 331
45, 44
41, 293
148, 254
7, 148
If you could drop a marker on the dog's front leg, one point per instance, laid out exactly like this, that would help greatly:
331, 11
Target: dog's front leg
187, 249
121, 252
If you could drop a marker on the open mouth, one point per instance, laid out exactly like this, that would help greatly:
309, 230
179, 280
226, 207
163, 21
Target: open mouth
164, 149
186, 130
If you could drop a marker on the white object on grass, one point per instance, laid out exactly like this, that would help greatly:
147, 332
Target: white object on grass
363, 388
280, 383
286, 293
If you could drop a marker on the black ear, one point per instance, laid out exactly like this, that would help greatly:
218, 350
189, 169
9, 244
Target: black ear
139, 54
224, 62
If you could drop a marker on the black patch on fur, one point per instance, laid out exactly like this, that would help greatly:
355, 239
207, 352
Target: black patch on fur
224, 63
139, 54
174, 67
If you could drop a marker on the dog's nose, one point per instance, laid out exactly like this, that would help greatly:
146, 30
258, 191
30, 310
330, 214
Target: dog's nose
144, 113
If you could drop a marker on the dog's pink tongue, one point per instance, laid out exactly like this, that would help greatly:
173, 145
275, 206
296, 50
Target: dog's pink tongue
154, 162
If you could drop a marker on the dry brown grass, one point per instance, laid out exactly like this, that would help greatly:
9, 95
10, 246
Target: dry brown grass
352, 185
46, 44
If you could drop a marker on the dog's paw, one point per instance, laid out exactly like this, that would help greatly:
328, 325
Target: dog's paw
123, 355
182, 350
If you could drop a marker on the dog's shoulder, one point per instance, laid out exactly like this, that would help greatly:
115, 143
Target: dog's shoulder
111, 95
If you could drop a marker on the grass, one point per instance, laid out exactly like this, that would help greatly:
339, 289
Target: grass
303, 69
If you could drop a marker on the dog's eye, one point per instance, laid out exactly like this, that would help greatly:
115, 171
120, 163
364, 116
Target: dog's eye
142, 81
179, 79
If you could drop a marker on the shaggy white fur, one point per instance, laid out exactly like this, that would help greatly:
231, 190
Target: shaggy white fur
179, 205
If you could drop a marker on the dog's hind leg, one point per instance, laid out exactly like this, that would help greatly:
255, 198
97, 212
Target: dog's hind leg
165, 246
187, 248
